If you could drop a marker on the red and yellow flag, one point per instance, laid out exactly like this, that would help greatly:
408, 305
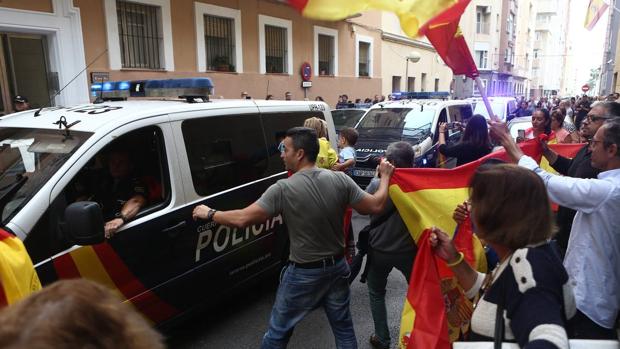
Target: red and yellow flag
17, 276
425, 198
437, 19
596, 8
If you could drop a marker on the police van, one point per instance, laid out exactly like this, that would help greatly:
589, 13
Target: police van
413, 117
183, 152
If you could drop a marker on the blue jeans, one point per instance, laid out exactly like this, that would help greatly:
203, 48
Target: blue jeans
303, 290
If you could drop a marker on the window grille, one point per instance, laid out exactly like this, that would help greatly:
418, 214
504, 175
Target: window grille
140, 35
276, 50
326, 55
220, 43
364, 59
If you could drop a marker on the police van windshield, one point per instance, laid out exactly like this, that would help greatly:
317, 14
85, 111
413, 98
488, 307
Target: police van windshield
396, 122
28, 158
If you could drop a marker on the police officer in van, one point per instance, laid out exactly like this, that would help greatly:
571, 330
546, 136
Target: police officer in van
118, 190
313, 202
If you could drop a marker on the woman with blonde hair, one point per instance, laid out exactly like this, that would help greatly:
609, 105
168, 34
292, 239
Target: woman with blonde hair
327, 155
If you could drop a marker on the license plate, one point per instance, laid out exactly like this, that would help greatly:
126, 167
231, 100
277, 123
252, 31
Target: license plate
363, 173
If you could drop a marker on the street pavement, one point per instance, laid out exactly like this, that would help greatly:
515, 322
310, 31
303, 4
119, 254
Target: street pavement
241, 321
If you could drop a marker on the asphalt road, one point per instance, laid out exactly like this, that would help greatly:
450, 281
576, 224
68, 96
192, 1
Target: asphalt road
241, 321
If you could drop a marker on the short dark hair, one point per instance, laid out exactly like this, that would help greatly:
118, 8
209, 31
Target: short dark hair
612, 108
500, 195
350, 134
612, 134
558, 116
306, 139
400, 154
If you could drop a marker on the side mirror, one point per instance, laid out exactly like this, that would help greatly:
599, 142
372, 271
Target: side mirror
84, 223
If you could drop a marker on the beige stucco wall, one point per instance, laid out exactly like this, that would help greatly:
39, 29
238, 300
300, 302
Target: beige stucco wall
230, 85
394, 63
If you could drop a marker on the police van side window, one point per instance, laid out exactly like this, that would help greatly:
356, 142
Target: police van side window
224, 151
443, 117
459, 113
133, 164
276, 125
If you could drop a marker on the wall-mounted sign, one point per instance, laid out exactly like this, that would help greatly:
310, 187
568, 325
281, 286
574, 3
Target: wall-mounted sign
306, 71
99, 76
306, 84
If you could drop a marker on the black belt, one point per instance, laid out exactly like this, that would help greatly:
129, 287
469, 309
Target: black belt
325, 262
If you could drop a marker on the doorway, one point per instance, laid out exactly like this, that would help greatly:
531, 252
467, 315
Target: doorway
24, 71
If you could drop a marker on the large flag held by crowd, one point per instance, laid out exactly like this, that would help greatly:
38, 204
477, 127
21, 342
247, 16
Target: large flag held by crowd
436, 19
17, 276
436, 312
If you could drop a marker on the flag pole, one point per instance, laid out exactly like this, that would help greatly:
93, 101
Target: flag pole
485, 99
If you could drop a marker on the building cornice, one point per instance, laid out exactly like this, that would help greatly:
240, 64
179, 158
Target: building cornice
399, 39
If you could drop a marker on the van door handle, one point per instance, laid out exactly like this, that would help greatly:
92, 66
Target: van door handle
173, 231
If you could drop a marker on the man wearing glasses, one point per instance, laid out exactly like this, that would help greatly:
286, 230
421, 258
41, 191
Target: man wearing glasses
593, 253
579, 166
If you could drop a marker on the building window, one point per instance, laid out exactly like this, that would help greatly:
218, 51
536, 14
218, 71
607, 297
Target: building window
220, 43
510, 25
275, 49
423, 83
326, 55
364, 50
325, 51
482, 19
140, 35
363, 56
395, 83
436, 85
218, 38
276, 42
411, 84
482, 59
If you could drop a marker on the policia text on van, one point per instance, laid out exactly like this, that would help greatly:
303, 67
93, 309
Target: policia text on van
223, 154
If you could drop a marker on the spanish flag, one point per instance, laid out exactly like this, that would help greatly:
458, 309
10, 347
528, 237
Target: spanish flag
436, 19
596, 8
17, 276
425, 198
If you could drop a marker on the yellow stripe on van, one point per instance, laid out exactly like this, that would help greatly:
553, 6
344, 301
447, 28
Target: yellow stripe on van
90, 267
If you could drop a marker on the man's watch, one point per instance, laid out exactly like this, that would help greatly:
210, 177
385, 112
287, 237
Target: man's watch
122, 217
210, 214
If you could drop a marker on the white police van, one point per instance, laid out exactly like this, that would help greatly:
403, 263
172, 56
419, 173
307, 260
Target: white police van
413, 117
222, 153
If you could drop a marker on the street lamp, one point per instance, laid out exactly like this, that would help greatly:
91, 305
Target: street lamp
414, 57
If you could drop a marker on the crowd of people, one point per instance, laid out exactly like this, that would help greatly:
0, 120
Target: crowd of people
546, 287
545, 291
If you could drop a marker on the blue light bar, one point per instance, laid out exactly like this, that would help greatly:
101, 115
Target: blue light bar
122, 85
420, 95
188, 88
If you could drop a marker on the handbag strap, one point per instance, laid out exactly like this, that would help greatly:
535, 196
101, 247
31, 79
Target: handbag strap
498, 336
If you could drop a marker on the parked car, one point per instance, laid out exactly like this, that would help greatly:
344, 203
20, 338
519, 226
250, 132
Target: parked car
414, 121
222, 153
